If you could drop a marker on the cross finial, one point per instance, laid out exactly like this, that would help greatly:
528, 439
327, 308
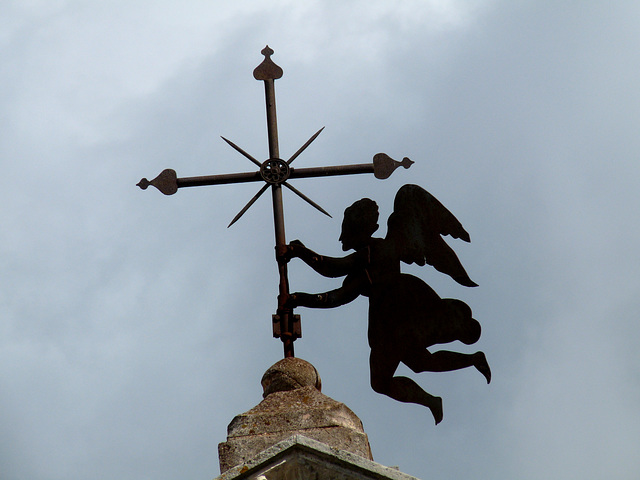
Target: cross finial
275, 172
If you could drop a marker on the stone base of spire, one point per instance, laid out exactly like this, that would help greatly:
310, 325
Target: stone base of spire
300, 457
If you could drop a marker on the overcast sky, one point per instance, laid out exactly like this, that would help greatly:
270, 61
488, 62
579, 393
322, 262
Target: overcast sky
134, 326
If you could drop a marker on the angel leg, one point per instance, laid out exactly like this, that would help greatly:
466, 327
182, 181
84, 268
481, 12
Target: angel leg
403, 389
445, 361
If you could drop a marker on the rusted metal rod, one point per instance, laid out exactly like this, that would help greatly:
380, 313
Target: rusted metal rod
219, 179
268, 72
331, 171
168, 183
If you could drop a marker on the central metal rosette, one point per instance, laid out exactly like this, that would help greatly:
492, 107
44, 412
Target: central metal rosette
275, 171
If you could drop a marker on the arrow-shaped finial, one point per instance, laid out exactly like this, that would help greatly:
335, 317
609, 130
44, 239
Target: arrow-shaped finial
384, 165
267, 70
166, 182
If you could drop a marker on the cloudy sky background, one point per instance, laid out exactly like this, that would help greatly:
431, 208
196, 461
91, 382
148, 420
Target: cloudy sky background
134, 326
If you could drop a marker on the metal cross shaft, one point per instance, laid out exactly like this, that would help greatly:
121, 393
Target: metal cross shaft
284, 319
275, 172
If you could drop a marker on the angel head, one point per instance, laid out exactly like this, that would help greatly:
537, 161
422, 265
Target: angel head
359, 223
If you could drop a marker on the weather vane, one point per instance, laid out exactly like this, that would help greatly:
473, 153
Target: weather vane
406, 316
275, 172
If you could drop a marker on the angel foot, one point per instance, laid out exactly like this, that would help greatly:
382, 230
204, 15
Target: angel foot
481, 364
435, 405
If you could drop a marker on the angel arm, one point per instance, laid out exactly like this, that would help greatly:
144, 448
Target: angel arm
326, 266
348, 292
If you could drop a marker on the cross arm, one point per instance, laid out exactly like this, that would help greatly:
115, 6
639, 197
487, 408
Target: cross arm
382, 167
169, 183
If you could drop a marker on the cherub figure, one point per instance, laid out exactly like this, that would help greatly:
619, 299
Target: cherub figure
406, 316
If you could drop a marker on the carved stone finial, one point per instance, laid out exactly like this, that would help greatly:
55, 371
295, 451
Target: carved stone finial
290, 374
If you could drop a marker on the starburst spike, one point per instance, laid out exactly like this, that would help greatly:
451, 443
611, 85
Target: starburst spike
238, 149
248, 205
307, 199
302, 148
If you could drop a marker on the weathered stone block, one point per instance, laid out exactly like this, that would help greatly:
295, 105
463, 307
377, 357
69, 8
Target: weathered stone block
301, 458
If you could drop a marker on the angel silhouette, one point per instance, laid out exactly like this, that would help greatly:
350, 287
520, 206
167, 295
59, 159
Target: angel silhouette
406, 316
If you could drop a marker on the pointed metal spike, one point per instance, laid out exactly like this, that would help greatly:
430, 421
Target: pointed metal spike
238, 149
306, 199
248, 205
302, 148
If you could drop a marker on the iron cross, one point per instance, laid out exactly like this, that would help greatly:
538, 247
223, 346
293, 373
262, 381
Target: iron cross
275, 172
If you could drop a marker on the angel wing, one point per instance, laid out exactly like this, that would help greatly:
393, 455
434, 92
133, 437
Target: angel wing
416, 225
